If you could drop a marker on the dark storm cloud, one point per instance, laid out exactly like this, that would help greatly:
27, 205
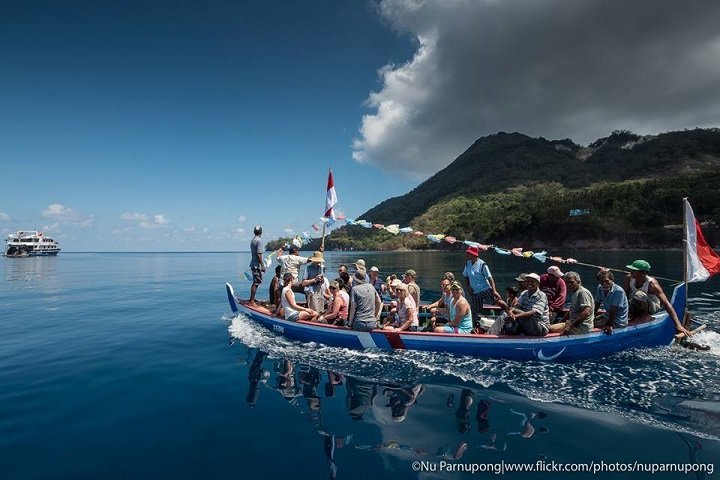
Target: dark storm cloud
552, 68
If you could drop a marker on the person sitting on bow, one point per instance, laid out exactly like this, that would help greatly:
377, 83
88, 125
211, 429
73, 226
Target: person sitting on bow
638, 279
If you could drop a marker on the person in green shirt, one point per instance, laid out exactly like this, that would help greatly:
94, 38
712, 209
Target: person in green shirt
579, 320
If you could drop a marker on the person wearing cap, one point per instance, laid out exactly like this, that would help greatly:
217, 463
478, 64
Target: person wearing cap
292, 310
409, 279
257, 265
315, 283
638, 279
460, 316
376, 281
580, 319
479, 282
529, 316
338, 311
553, 286
613, 299
521, 282
407, 315
365, 304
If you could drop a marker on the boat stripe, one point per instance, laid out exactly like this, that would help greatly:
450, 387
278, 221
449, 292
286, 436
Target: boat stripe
366, 340
395, 340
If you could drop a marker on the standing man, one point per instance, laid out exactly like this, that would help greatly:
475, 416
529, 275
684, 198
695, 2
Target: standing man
291, 263
315, 284
257, 266
365, 304
479, 282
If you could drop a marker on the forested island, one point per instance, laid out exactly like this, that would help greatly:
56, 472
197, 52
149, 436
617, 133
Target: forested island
621, 191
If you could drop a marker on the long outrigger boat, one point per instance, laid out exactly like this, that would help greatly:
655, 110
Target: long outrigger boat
554, 347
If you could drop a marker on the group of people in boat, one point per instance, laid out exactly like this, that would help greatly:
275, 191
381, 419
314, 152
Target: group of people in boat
554, 302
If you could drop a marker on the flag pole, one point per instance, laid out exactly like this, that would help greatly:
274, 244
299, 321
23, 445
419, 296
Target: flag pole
686, 317
328, 207
322, 242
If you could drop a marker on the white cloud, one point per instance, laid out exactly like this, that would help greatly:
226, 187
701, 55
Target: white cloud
554, 68
134, 217
50, 228
146, 221
242, 218
4, 216
56, 210
240, 230
288, 230
63, 214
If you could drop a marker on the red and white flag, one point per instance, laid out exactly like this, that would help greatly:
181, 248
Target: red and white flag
331, 197
702, 261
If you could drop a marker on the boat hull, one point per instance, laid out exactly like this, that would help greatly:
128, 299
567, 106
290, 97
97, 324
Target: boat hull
659, 332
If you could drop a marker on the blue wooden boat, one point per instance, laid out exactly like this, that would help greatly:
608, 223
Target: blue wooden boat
660, 331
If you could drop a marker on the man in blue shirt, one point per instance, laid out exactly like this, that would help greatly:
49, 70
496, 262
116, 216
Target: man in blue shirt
479, 282
614, 301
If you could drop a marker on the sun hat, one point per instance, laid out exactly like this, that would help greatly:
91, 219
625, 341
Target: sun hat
316, 258
360, 264
534, 276
334, 284
473, 250
554, 270
639, 266
521, 278
456, 286
411, 272
374, 269
396, 283
359, 276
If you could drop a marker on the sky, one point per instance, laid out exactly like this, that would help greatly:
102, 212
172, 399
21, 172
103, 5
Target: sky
178, 125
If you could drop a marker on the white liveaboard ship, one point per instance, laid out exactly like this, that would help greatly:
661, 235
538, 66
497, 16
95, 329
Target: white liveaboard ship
30, 243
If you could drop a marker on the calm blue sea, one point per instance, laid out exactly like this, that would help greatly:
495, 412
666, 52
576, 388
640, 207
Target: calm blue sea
129, 365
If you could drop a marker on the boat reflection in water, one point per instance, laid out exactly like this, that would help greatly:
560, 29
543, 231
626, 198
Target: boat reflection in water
387, 405
361, 423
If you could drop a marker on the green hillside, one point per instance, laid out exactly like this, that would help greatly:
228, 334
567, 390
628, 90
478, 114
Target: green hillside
513, 189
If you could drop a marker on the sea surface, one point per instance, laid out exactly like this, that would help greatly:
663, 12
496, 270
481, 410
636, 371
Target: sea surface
130, 366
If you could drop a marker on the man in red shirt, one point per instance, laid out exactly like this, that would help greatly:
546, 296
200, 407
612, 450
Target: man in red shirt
553, 286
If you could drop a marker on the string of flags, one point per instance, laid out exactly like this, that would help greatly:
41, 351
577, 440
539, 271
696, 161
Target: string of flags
395, 229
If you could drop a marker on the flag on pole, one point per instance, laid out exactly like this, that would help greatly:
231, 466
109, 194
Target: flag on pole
331, 197
702, 261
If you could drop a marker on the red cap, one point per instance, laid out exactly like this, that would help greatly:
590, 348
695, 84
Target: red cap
473, 250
